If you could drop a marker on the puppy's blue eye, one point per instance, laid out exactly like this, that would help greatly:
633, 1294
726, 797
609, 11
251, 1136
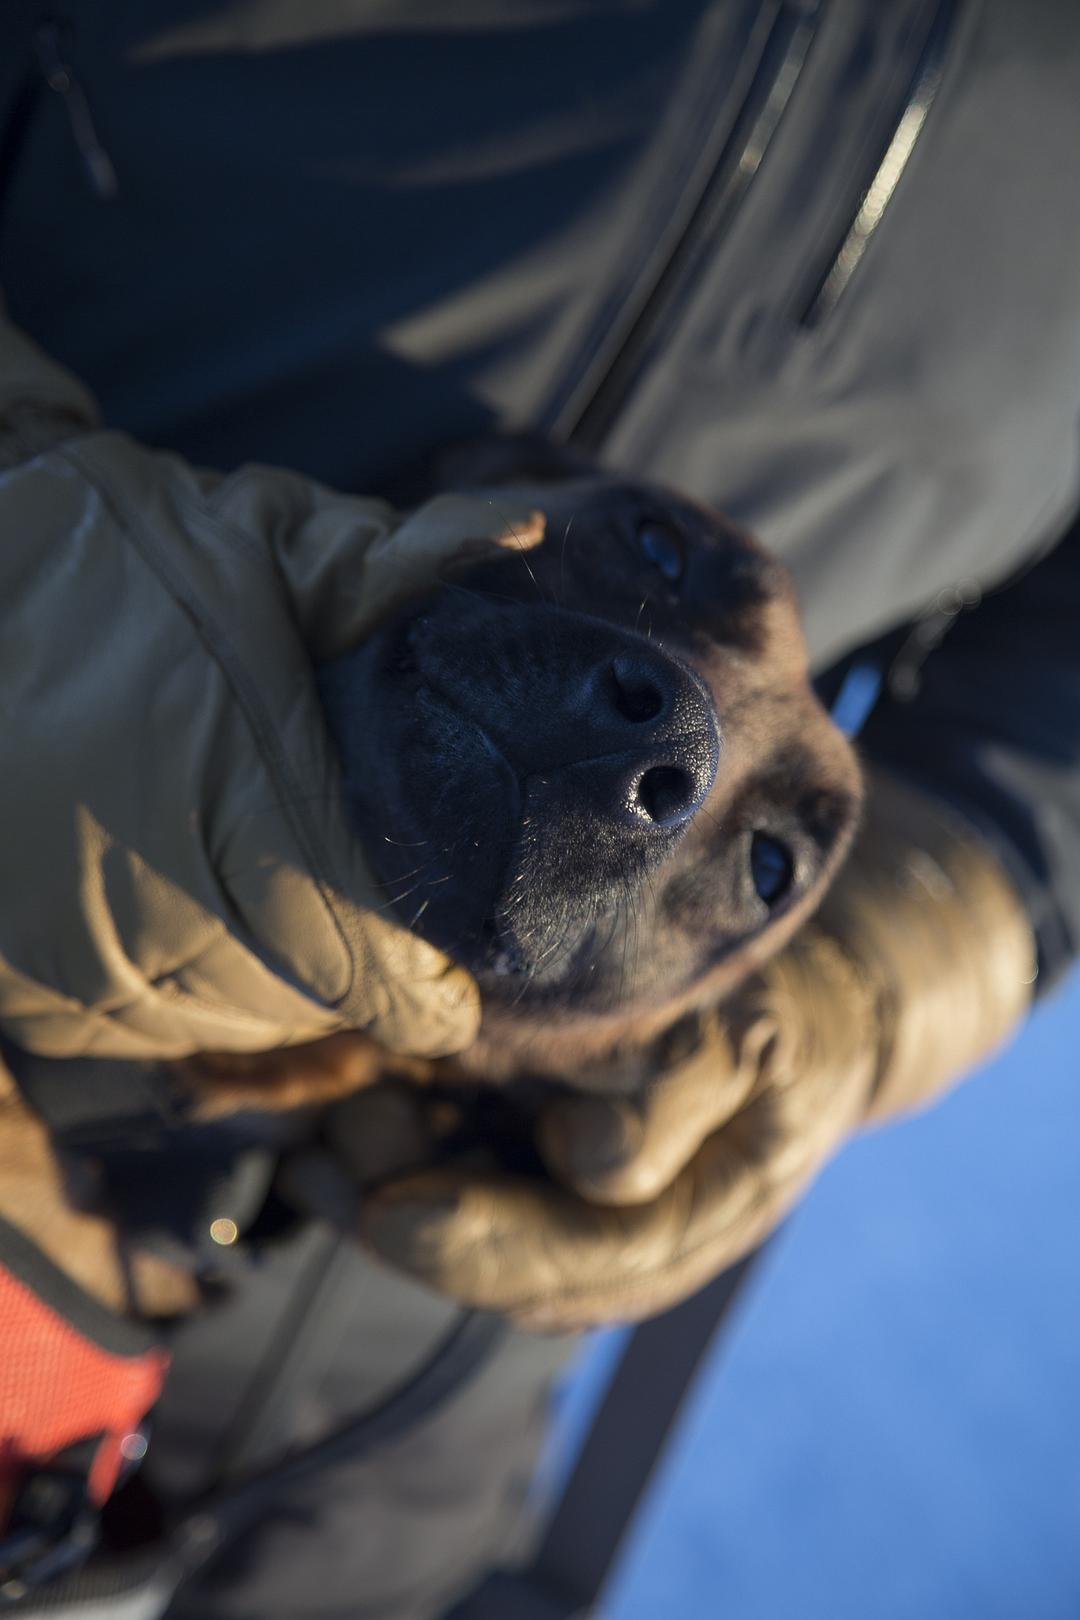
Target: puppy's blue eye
664, 549
771, 867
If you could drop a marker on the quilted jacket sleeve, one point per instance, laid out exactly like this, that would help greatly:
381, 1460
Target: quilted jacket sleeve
177, 870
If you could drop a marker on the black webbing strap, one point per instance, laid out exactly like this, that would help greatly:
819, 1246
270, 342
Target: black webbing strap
581, 1541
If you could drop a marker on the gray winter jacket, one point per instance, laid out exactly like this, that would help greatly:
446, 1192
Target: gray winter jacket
817, 262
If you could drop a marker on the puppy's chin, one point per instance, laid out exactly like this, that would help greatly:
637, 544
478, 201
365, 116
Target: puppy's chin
557, 1038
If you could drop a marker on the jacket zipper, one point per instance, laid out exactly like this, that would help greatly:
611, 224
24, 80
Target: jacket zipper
781, 62
832, 281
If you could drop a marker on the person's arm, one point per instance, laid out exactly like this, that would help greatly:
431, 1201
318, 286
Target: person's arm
177, 865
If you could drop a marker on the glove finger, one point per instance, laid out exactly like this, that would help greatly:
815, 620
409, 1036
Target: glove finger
511, 1245
386, 1131
409, 561
536, 1252
383, 1132
626, 1151
313, 1182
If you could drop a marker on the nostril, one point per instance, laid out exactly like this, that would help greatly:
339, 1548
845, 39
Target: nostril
639, 695
667, 793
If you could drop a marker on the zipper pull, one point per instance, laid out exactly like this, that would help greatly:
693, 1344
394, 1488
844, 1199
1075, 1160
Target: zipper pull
60, 78
903, 678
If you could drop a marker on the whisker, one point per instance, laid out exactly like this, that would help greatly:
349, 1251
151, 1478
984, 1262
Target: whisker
403, 877
425, 883
562, 556
630, 933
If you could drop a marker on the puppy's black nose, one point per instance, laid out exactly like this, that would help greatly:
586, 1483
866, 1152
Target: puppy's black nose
665, 717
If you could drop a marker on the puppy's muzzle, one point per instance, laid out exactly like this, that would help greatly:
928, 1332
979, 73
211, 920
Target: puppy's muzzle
543, 762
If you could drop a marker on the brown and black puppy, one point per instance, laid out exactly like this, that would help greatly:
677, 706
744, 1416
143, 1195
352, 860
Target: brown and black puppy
595, 772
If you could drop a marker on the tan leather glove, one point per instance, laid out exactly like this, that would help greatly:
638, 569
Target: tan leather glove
919, 963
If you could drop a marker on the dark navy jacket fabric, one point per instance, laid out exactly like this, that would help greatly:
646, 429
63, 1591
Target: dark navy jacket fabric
817, 261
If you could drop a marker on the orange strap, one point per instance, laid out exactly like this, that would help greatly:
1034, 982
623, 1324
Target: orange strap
70, 1372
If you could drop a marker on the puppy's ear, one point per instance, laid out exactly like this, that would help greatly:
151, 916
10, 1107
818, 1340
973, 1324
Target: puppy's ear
512, 458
